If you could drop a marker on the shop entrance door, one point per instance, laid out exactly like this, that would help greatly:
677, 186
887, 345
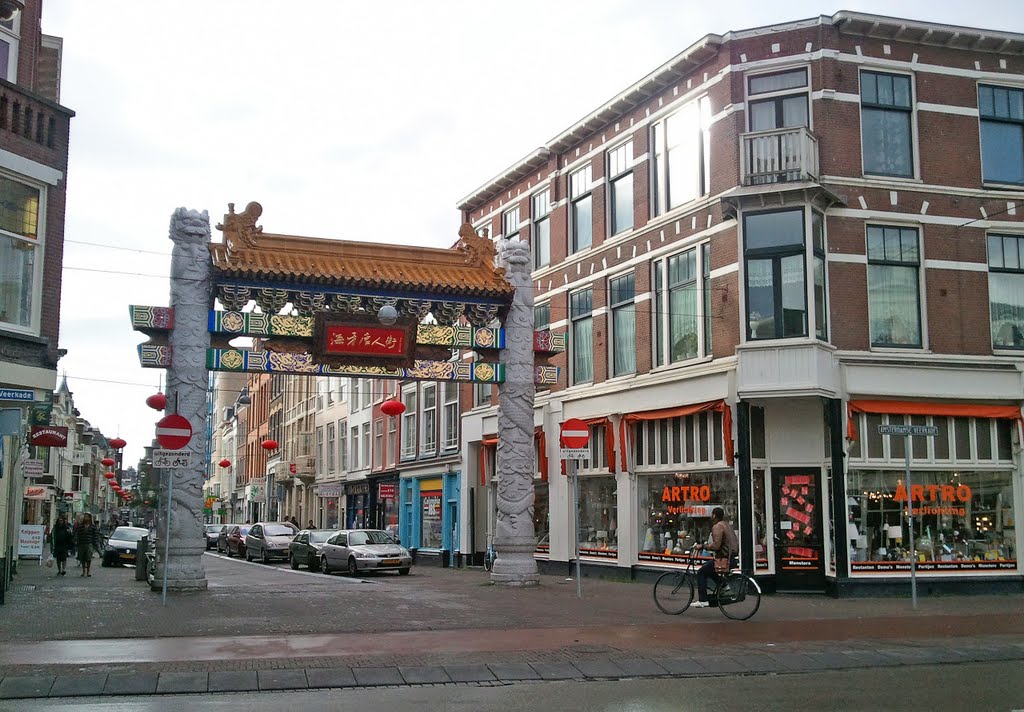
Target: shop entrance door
799, 547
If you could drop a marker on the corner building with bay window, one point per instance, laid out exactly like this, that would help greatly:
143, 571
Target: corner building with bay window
769, 246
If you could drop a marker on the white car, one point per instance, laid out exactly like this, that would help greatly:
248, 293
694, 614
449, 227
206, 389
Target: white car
358, 550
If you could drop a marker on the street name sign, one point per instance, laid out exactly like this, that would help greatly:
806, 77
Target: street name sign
17, 394
930, 430
172, 459
173, 432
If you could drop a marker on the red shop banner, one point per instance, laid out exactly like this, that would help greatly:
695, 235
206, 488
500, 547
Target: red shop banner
49, 436
344, 340
386, 491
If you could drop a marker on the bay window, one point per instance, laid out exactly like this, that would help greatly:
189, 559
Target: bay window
775, 279
19, 253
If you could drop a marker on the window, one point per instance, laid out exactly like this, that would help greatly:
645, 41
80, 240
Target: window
19, 242
10, 31
620, 176
620, 295
392, 444
368, 393
354, 448
781, 100
1002, 134
331, 445
484, 231
451, 415
541, 229
357, 385
510, 223
820, 291
481, 394
321, 389
378, 443
320, 448
774, 259
582, 211
428, 421
1006, 290
582, 317
682, 302
343, 444
680, 169
894, 312
542, 316
409, 423
366, 445
885, 114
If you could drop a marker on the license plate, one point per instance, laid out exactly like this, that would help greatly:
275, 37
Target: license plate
127, 556
390, 562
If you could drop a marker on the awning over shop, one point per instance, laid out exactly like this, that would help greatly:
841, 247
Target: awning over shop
956, 410
720, 406
488, 443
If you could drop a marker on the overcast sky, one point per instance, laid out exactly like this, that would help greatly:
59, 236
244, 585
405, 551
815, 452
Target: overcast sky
350, 120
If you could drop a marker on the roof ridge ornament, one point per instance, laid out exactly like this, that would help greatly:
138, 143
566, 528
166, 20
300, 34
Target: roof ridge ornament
240, 229
477, 248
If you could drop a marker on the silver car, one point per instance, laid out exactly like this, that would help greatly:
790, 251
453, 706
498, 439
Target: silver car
358, 550
269, 540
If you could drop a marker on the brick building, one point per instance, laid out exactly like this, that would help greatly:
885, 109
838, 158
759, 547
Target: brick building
772, 244
34, 133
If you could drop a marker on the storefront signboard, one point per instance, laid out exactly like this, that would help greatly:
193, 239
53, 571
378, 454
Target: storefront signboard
386, 491
932, 566
49, 436
36, 492
330, 490
30, 540
33, 468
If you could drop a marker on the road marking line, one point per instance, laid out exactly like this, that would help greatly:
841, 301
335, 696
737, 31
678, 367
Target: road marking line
289, 570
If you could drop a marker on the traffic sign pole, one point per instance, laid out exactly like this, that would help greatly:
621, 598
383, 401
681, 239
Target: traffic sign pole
576, 485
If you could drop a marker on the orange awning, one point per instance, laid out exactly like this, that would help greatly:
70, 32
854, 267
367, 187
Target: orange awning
678, 412
609, 439
488, 443
957, 410
542, 446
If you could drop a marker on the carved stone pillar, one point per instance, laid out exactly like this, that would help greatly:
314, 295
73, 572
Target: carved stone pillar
187, 377
514, 540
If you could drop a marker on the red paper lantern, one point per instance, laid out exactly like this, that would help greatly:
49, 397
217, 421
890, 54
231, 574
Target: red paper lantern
108, 461
269, 445
117, 443
157, 401
109, 475
225, 463
392, 407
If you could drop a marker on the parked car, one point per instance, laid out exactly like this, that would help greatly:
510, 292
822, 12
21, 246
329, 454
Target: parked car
305, 547
232, 539
358, 550
122, 545
213, 534
269, 540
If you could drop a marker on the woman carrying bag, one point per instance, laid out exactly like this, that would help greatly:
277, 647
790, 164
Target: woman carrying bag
61, 542
87, 538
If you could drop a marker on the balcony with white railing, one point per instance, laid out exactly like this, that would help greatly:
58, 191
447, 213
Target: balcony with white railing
778, 156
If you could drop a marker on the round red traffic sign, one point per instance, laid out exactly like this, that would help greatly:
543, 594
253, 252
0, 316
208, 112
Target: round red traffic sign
173, 432
575, 433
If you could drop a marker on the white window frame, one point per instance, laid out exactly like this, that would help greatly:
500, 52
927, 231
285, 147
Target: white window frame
331, 452
982, 119
540, 214
620, 166
353, 448
661, 202
391, 443
451, 415
662, 312
780, 93
428, 419
409, 420
572, 336
378, 443
343, 445
39, 246
366, 446
921, 292
581, 187
12, 35
613, 336
510, 222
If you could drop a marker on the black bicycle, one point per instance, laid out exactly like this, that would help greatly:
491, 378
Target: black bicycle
737, 595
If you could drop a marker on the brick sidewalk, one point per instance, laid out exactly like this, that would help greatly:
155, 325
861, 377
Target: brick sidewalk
438, 622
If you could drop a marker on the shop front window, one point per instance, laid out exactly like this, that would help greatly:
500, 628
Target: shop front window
430, 519
675, 511
387, 507
962, 521
330, 513
760, 526
541, 516
599, 517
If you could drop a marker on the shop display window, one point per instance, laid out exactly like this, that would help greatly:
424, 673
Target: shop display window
962, 521
599, 517
760, 521
541, 516
675, 511
430, 519
959, 440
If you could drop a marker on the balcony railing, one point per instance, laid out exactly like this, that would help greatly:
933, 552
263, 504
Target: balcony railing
778, 156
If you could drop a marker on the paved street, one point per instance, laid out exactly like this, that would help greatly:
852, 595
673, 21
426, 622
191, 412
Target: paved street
270, 628
979, 687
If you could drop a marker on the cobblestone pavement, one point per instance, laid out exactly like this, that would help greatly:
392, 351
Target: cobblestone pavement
443, 625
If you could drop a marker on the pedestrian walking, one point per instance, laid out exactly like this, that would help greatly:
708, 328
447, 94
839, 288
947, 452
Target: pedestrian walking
61, 542
294, 521
87, 539
311, 525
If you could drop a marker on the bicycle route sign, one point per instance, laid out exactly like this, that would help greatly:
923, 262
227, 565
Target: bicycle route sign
172, 459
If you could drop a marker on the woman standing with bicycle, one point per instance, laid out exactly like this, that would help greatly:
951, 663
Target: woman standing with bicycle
725, 545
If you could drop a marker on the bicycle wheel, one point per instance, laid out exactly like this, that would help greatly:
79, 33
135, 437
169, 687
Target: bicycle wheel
673, 592
738, 596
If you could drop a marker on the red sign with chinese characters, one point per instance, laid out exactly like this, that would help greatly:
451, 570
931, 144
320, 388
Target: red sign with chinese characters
356, 340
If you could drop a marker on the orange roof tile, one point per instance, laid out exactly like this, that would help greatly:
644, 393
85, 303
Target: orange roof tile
248, 253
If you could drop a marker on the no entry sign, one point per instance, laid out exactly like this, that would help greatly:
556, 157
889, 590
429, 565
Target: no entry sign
173, 432
575, 433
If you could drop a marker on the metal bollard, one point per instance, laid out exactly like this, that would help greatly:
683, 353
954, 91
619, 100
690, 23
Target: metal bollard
141, 560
